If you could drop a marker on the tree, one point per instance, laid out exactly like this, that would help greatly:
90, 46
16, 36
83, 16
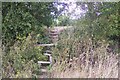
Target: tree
63, 20
102, 20
20, 19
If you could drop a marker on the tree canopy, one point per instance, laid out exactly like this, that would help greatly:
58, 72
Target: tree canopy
20, 19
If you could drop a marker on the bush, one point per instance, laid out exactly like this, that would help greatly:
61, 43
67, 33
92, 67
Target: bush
21, 60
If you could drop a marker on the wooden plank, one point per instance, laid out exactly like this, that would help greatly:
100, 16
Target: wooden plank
46, 54
48, 51
44, 62
43, 70
53, 31
46, 44
53, 34
56, 36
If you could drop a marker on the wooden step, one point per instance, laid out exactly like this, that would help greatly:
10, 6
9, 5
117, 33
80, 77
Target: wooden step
55, 39
53, 34
56, 36
46, 54
44, 62
53, 31
48, 51
46, 44
43, 70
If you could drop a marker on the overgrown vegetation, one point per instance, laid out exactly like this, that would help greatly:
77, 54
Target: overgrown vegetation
21, 61
91, 50
22, 28
87, 50
84, 58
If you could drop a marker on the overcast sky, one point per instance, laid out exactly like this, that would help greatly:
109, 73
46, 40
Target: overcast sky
73, 11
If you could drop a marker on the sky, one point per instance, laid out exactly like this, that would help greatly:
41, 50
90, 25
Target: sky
73, 11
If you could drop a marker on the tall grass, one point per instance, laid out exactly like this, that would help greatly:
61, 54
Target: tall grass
79, 56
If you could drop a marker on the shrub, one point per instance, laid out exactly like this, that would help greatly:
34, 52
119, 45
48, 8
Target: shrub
21, 60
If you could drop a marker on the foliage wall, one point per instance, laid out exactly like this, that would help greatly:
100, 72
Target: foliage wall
101, 20
20, 19
84, 52
22, 27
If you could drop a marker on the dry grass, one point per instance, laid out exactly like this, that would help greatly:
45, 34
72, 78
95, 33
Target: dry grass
82, 58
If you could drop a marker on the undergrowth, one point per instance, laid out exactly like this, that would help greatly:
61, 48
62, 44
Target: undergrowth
21, 60
78, 56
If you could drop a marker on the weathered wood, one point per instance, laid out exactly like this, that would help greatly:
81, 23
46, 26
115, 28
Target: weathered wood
53, 34
54, 31
48, 51
44, 62
46, 54
43, 70
46, 44
56, 36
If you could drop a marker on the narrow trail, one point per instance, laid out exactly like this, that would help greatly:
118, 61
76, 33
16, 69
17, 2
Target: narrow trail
73, 69
54, 36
